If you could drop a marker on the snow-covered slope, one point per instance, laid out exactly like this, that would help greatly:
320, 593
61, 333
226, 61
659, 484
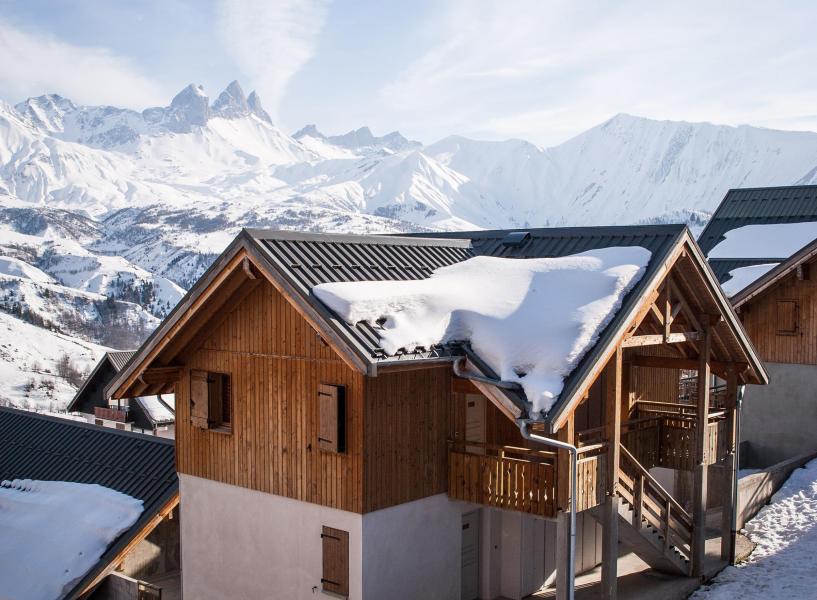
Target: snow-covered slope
108, 214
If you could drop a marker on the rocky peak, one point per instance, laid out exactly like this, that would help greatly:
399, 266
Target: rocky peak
231, 103
189, 107
310, 130
254, 104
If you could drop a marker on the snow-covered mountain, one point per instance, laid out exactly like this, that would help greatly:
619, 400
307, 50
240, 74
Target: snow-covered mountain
108, 214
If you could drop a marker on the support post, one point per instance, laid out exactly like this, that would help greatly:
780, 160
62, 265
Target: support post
730, 471
701, 452
562, 554
612, 424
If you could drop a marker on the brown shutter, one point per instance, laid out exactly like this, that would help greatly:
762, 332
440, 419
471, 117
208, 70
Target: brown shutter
335, 577
199, 399
214, 390
786, 317
331, 418
226, 400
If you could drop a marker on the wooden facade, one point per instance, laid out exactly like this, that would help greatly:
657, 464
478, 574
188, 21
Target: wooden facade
782, 320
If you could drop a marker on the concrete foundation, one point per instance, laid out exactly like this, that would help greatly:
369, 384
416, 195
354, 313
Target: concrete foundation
779, 420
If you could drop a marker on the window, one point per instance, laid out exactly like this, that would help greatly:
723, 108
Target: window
210, 400
99, 422
787, 317
335, 576
332, 418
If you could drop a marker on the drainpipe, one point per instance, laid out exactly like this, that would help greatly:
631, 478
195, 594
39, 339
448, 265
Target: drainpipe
733, 534
524, 425
460, 372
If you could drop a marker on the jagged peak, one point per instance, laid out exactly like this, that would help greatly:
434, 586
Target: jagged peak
310, 130
192, 92
254, 104
232, 103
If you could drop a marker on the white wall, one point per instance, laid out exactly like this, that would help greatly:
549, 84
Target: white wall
413, 550
247, 545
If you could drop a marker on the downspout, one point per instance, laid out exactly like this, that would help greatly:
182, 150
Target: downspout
735, 488
524, 425
460, 372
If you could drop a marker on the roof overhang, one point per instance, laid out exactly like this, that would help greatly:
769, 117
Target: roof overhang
775, 275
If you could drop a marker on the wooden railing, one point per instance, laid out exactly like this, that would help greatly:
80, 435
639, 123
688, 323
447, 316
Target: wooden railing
503, 476
652, 504
111, 414
591, 476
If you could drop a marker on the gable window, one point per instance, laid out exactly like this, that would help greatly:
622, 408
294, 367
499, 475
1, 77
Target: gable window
335, 577
211, 400
332, 418
787, 313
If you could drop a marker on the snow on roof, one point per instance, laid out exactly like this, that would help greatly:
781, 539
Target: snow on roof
744, 276
156, 409
53, 532
771, 240
530, 320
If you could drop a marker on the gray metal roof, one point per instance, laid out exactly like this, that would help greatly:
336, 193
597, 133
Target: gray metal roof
46, 448
756, 206
119, 359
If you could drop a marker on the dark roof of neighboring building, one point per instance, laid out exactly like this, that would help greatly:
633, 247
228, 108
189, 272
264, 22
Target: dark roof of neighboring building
48, 448
304, 260
117, 360
756, 206
802, 256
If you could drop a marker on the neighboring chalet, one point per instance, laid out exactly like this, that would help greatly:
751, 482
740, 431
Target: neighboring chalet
51, 451
143, 414
762, 245
311, 459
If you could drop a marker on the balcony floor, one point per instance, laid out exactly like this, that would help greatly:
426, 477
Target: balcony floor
637, 581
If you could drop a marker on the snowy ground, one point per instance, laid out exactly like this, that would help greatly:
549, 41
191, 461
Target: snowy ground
782, 565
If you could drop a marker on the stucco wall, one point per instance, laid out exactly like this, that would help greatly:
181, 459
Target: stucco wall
245, 545
413, 550
779, 420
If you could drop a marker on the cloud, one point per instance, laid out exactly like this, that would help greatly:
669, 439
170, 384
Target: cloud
34, 64
548, 70
271, 41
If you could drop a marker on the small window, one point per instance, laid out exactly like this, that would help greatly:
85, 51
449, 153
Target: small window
332, 418
98, 422
211, 401
787, 317
335, 576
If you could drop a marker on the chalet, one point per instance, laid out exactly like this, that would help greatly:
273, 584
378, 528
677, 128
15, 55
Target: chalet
42, 458
144, 414
316, 456
762, 245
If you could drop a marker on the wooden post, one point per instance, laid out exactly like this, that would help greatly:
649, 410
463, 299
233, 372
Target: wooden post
612, 426
562, 553
730, 470
701, 452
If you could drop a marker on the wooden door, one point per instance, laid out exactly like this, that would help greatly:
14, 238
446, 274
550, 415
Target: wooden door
469, 585
475, 421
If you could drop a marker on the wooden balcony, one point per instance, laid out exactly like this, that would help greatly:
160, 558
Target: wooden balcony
521, 479
111, 414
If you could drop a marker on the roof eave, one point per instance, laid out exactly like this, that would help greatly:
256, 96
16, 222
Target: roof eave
763, 283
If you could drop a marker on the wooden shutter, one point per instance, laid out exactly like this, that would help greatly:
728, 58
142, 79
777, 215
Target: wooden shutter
214, 391
335, 576
786, 317
331, 418
226, 400
199, 399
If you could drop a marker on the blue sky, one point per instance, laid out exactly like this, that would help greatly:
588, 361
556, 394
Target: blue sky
537, 69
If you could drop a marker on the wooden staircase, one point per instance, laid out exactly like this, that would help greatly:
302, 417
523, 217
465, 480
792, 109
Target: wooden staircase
651, 521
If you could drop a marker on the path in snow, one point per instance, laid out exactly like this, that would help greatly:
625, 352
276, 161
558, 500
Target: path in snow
782, 565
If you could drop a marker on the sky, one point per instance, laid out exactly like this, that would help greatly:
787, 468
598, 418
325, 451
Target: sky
541, 70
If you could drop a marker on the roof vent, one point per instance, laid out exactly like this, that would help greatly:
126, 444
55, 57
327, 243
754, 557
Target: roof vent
516, 238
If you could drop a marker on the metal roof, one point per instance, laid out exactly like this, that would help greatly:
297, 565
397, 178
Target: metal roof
756, 206
118, 359
47, 448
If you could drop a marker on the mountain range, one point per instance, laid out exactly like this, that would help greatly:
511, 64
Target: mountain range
108, 214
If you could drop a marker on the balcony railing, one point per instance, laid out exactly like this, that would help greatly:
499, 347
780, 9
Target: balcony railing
111, 414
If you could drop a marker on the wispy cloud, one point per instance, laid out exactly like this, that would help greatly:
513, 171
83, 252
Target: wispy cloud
547, 70
271, 40
33, 63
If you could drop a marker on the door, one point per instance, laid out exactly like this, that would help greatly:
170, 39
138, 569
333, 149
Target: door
470, 556
475, 422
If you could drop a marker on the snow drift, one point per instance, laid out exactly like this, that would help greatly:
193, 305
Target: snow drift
531, 320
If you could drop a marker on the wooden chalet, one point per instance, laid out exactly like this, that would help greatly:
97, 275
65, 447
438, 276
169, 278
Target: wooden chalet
147, 414
778, 309
310, 459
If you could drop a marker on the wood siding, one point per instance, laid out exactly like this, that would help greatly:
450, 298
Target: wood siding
277, 363
773, 339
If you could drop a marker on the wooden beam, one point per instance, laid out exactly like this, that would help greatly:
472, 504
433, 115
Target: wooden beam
701, 455
612, 426
729, 502
658, 339
161, 375
689, 364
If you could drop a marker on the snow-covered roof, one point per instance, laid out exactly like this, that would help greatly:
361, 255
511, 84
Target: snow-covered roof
766, 240
743, 276
531, 320
156, 410
54, 532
